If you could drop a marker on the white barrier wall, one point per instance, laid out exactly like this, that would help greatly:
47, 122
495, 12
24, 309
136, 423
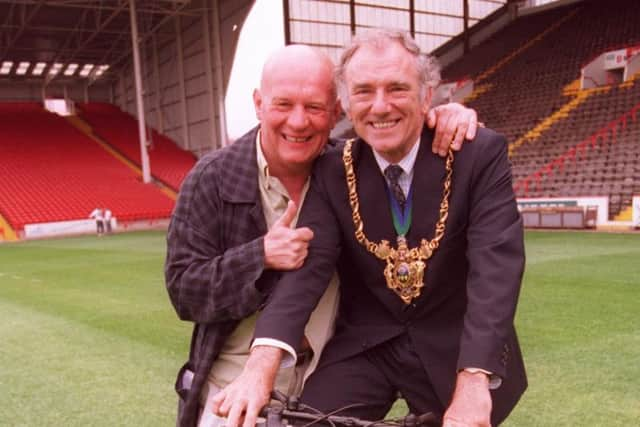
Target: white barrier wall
452, 92
602, 204
635, 216
594, 74
62, 228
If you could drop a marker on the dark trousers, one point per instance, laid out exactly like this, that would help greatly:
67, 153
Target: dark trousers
374, 379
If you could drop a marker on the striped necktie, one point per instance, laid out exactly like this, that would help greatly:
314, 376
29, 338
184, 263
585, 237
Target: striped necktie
392, 173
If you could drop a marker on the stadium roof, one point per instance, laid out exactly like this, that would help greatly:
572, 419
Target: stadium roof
71, 39
93, 34
330, 23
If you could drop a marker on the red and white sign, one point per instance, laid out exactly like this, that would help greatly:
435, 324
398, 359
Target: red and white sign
619, 58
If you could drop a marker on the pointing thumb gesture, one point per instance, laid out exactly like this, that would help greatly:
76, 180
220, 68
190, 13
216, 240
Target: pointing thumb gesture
285, 247
287, 217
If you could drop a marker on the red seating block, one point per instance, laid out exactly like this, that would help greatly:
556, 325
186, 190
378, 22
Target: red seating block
53, 172
169, 163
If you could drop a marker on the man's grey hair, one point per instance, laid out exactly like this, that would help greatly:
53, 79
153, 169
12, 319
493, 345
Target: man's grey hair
426, 65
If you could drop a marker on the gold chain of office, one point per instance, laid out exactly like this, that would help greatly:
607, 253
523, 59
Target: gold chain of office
405, 267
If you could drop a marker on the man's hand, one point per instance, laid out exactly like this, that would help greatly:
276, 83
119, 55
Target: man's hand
471, 403
250, 392
286, 248
453, 122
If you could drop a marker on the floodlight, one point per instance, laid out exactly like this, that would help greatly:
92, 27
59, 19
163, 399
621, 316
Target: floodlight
6, 67
55, 69
8, 64
101, 70
22, 68
71, 69
86, 69
38, 69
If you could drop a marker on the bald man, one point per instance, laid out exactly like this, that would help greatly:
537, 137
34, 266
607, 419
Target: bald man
233, 228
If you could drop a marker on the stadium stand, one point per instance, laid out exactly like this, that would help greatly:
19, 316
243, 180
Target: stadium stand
52, 172
170, 164
564, 141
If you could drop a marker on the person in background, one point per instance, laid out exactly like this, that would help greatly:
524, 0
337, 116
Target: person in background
108, 215
98, 215
233, 230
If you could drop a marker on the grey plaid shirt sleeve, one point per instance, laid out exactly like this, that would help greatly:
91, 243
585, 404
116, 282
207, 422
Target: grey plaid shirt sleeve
206, 280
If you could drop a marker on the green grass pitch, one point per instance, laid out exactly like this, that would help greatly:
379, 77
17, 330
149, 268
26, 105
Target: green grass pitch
88, 335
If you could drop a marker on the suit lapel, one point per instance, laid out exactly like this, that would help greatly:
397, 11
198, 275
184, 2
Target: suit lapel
374, 202
427, 185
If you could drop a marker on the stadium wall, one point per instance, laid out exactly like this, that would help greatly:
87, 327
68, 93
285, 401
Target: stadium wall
454, 48
14, 90
185, 71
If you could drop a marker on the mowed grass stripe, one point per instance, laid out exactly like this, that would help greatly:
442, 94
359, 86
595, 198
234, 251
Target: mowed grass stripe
59, 372
543, 246
91, 336
582, 384
580, 330
113, 284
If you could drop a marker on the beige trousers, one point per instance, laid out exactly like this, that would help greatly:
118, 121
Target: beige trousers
207, 418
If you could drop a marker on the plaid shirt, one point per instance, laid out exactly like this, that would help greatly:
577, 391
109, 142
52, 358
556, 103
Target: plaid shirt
214, 269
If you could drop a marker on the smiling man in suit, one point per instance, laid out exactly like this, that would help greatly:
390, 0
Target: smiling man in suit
430, 261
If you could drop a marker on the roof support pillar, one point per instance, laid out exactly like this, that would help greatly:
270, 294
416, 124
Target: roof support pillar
144, 155
214, 29
124, 106
352, 16
158, 86
412, 18
287, 24
182, 90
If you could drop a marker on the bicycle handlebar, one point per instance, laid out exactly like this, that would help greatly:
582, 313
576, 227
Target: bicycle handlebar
289, 412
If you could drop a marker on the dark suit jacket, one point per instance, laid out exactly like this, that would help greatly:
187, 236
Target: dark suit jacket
464, 316
214, 268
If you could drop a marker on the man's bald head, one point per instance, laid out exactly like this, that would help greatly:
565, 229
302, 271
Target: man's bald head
298, 58
297, 108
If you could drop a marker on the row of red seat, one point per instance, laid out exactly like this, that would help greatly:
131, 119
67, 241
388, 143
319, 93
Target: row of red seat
53, 172
169, 163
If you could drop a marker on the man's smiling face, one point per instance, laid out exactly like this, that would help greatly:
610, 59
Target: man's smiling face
385, 105
297, 109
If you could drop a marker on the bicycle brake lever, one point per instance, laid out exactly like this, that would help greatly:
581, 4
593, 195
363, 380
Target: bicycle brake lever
293, 403
279, 396
429, 419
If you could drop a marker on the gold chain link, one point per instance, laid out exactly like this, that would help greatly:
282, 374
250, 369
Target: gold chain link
427, 247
